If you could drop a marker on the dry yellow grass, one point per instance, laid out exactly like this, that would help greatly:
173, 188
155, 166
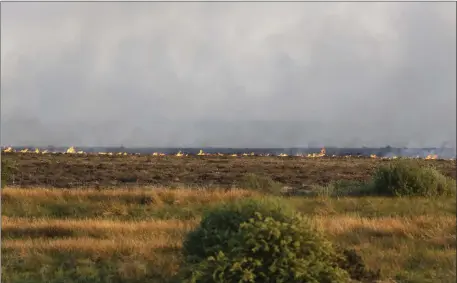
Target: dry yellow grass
95, 224
156, 233
86, 244
421, 226
424, 227
156, 196
153, 191
423, 243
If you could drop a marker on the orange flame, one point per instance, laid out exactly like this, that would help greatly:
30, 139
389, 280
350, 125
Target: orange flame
9, 149
431, 156
322, 153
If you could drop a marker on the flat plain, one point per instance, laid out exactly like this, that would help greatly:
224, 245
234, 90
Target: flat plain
53, 231
73, 170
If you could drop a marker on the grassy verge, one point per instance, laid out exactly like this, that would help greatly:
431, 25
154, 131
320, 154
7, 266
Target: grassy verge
135, 235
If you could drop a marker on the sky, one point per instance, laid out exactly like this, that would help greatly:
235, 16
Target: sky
228, 74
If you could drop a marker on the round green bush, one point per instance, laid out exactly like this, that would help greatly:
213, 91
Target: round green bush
265, 249
222, 222
408, 178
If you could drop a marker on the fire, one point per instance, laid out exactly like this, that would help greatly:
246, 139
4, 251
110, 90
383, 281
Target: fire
322, 153
9, 149
431, 156
158, 154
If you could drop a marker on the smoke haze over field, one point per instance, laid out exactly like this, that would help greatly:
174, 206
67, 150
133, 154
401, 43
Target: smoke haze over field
228, 74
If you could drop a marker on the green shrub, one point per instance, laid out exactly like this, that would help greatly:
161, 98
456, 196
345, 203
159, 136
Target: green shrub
261, 183
408, 178
261, 239
268, 250
221, 223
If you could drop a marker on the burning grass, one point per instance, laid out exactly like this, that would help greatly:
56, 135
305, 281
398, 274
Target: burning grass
322, 153
90, 235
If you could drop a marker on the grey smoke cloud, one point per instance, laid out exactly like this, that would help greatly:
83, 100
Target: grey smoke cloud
228, 74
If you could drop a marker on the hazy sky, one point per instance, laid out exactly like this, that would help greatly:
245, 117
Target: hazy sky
228, 74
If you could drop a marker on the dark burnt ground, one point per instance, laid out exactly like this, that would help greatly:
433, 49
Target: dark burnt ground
69, 171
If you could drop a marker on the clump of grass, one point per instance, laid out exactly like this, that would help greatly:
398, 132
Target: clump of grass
8, 168
342, 188
352, 262
408, 178
261, 183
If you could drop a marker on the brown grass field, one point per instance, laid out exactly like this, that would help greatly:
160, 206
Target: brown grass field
73, 171
133, 231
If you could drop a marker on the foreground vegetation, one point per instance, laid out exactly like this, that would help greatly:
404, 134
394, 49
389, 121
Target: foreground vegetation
88, 235
399, 226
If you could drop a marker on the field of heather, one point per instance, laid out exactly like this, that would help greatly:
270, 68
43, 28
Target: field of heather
90, 170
